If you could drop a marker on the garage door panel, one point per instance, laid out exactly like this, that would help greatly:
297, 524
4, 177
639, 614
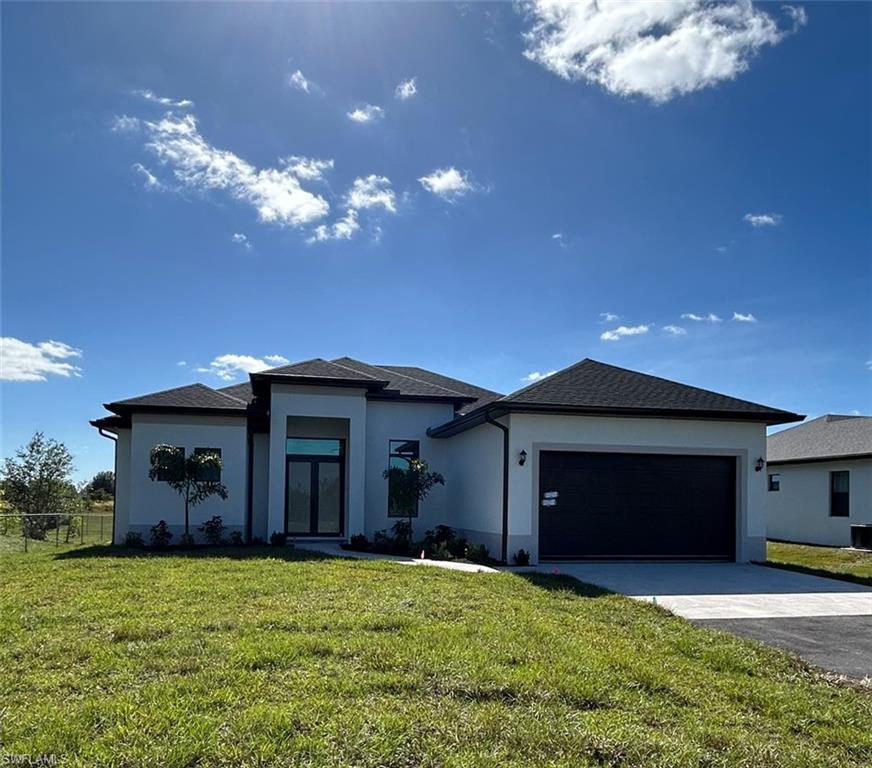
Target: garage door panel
636, 505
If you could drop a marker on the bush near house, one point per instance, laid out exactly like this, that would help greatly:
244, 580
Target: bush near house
295, 659
440, 543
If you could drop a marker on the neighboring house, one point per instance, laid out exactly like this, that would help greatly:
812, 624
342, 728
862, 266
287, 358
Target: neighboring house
594, 461
819, 478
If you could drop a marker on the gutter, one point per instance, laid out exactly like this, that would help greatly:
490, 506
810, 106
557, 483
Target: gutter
504, 542
114, 439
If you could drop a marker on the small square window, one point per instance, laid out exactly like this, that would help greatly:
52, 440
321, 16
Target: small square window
775, 482
209, 474
175, 469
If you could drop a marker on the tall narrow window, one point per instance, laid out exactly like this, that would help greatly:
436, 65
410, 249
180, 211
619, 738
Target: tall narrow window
399, 502
175, 469
209, 474
839, 494
775, 482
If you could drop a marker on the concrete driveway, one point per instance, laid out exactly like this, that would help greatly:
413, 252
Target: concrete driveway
826, 621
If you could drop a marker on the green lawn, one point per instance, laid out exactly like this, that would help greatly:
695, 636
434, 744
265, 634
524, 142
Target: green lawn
260, 657
822, 561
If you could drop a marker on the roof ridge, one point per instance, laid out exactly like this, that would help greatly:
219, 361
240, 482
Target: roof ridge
545, 378
168, 389
392, 369
279, 369
402, 375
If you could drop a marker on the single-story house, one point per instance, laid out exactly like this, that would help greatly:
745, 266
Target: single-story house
594, 461
819, 480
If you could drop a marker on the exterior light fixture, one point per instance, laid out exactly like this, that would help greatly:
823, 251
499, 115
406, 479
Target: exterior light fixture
522, 458
759, 464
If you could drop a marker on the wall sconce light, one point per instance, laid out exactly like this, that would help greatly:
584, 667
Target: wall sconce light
759, 464
522, 458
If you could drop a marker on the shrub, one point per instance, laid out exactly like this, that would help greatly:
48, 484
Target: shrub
213, 530
236, 539
278, 539
133, 539
186, 541
358, 542
521, 557
161, 535
441, 553
477, 553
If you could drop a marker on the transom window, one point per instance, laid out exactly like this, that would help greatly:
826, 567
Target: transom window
401, 452
775, 482
308, 446
839, 493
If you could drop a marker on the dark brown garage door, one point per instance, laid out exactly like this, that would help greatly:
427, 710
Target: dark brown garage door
636, 505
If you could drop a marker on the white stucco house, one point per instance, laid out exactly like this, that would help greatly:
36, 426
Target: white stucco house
594, 461
819, 480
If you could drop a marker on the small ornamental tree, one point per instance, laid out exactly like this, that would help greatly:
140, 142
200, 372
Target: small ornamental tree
409, 487
195, 478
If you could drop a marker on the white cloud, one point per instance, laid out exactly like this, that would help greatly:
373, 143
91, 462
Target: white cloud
675, 330
658, 50
149, 179
370, 192
749, 318
368, 113
163, 100
230, 367
307, 168
622, 330
240, 239
22, 361
341, 229
406, 89
711, 317
721, 249
763, 219
608, 317
182, 363
299, 81
534, 376
125, 124
447, 183
276, 194
869, 364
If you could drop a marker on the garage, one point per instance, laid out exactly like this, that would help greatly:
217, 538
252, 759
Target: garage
636, 505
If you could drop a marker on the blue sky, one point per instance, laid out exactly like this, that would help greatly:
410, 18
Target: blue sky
549, 179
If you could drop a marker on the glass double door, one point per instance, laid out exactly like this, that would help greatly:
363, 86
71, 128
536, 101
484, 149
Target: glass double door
314, 497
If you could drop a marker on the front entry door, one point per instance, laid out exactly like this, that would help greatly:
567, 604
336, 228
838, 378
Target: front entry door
314, 495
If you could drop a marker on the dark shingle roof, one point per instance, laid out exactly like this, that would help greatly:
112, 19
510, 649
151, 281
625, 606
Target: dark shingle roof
241, 391
595, 385
481, 395
320, 369
824, 437
191, 396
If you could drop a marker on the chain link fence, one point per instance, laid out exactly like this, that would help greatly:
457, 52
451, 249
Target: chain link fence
35, 532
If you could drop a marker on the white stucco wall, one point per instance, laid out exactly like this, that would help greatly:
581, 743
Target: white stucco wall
537, 432
800, 511
474, 485
260, 485
151, 501
390, 420
122, 485
325, 402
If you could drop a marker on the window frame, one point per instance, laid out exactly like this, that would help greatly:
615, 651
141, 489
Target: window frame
198, 451
392, 454
162, 478
834, 494
773, 482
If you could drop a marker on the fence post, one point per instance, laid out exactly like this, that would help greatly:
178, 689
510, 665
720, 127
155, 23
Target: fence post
57, 531
24, 526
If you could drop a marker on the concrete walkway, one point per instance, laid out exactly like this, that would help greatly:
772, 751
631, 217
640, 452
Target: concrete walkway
332, 548
725, 590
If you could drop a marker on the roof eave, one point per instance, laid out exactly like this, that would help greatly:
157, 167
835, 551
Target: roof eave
819, 459
127, 410
318, 381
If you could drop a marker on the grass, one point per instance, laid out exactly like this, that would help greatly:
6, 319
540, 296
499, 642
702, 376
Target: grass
833, 562
266, 657
93, 527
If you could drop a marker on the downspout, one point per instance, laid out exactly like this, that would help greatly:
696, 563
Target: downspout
114, 439
504, 544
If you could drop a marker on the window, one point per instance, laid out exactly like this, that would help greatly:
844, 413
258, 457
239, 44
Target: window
307, 446
839, 491
175, 469
209, 474
400, 503
775, 482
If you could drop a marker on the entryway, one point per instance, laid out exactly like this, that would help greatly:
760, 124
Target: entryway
315, 487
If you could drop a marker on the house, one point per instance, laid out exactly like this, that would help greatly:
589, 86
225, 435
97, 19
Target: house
819, 480
594, 461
